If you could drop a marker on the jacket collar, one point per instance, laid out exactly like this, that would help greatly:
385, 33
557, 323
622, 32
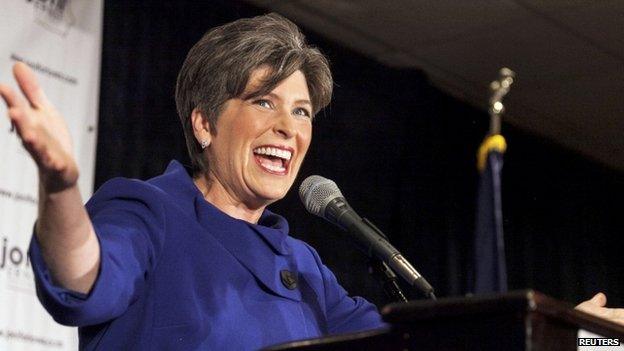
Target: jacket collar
262, 248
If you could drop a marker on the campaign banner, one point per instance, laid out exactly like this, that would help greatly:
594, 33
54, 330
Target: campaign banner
61, 41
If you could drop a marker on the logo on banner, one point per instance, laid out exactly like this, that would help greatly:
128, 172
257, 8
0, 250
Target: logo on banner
54, 15
15, 264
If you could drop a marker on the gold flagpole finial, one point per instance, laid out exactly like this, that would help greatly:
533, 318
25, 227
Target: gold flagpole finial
499, 89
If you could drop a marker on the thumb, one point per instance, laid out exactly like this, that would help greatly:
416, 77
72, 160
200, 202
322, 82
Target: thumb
599, 299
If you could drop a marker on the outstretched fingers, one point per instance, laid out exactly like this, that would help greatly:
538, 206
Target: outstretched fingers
11, 99
42, 130
29, 86
22, 117
18, 110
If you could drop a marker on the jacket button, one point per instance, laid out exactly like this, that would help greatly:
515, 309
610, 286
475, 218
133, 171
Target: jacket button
289, 279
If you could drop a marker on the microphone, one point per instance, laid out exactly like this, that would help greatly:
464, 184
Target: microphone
321, 197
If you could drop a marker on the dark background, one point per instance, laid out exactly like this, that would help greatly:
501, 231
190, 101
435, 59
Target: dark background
402, 152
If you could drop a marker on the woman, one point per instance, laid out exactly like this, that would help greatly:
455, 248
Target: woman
194, 260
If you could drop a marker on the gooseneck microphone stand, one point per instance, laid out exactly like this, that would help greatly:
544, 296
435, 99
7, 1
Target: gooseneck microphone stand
380, 269
383, 272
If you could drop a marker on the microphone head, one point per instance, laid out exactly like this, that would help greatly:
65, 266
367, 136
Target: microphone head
316, 192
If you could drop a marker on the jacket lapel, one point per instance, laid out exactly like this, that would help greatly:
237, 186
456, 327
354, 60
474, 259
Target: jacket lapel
262, 249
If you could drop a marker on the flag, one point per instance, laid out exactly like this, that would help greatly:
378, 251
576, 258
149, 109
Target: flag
490, 272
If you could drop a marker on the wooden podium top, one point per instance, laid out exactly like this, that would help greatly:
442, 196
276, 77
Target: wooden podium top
516, 301
520, 320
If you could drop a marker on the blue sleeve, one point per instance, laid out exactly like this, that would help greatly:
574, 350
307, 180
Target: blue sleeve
129, 222
345, 314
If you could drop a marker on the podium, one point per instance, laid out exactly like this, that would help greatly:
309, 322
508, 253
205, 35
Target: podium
521, 320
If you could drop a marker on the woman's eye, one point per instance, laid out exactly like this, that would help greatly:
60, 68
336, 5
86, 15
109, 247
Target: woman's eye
302, 112
263, 103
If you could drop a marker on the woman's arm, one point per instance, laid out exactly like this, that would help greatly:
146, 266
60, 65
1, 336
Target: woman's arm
64, 231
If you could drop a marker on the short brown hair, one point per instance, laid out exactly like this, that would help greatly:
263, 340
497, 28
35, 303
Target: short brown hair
218, 66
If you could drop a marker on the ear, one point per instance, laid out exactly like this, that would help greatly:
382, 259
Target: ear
201, 127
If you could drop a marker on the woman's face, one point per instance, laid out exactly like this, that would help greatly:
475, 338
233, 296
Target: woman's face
260, 143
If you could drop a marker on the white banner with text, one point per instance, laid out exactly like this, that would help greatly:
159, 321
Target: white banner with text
61, 41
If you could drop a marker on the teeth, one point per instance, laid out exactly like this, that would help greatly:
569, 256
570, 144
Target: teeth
274, 168
271, 151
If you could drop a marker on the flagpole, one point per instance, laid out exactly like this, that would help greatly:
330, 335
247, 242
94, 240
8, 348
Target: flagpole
489, 266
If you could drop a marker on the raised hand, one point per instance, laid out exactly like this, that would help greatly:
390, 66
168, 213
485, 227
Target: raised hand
42, 130
68, 242
596, 306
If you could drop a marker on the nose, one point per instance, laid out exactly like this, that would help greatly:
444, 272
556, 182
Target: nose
285, 125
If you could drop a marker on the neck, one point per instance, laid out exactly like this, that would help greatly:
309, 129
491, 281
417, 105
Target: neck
215, 193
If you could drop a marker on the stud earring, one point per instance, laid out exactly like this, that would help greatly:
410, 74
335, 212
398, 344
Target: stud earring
204, 144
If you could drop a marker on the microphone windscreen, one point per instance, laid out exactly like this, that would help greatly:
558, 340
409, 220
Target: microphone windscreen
316, 192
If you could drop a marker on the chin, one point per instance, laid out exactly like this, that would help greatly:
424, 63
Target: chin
272, 197
271, 190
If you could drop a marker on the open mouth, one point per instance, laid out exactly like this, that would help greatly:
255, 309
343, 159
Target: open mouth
273, 159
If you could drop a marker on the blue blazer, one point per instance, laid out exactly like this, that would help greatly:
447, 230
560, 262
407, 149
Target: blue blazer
176, 273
